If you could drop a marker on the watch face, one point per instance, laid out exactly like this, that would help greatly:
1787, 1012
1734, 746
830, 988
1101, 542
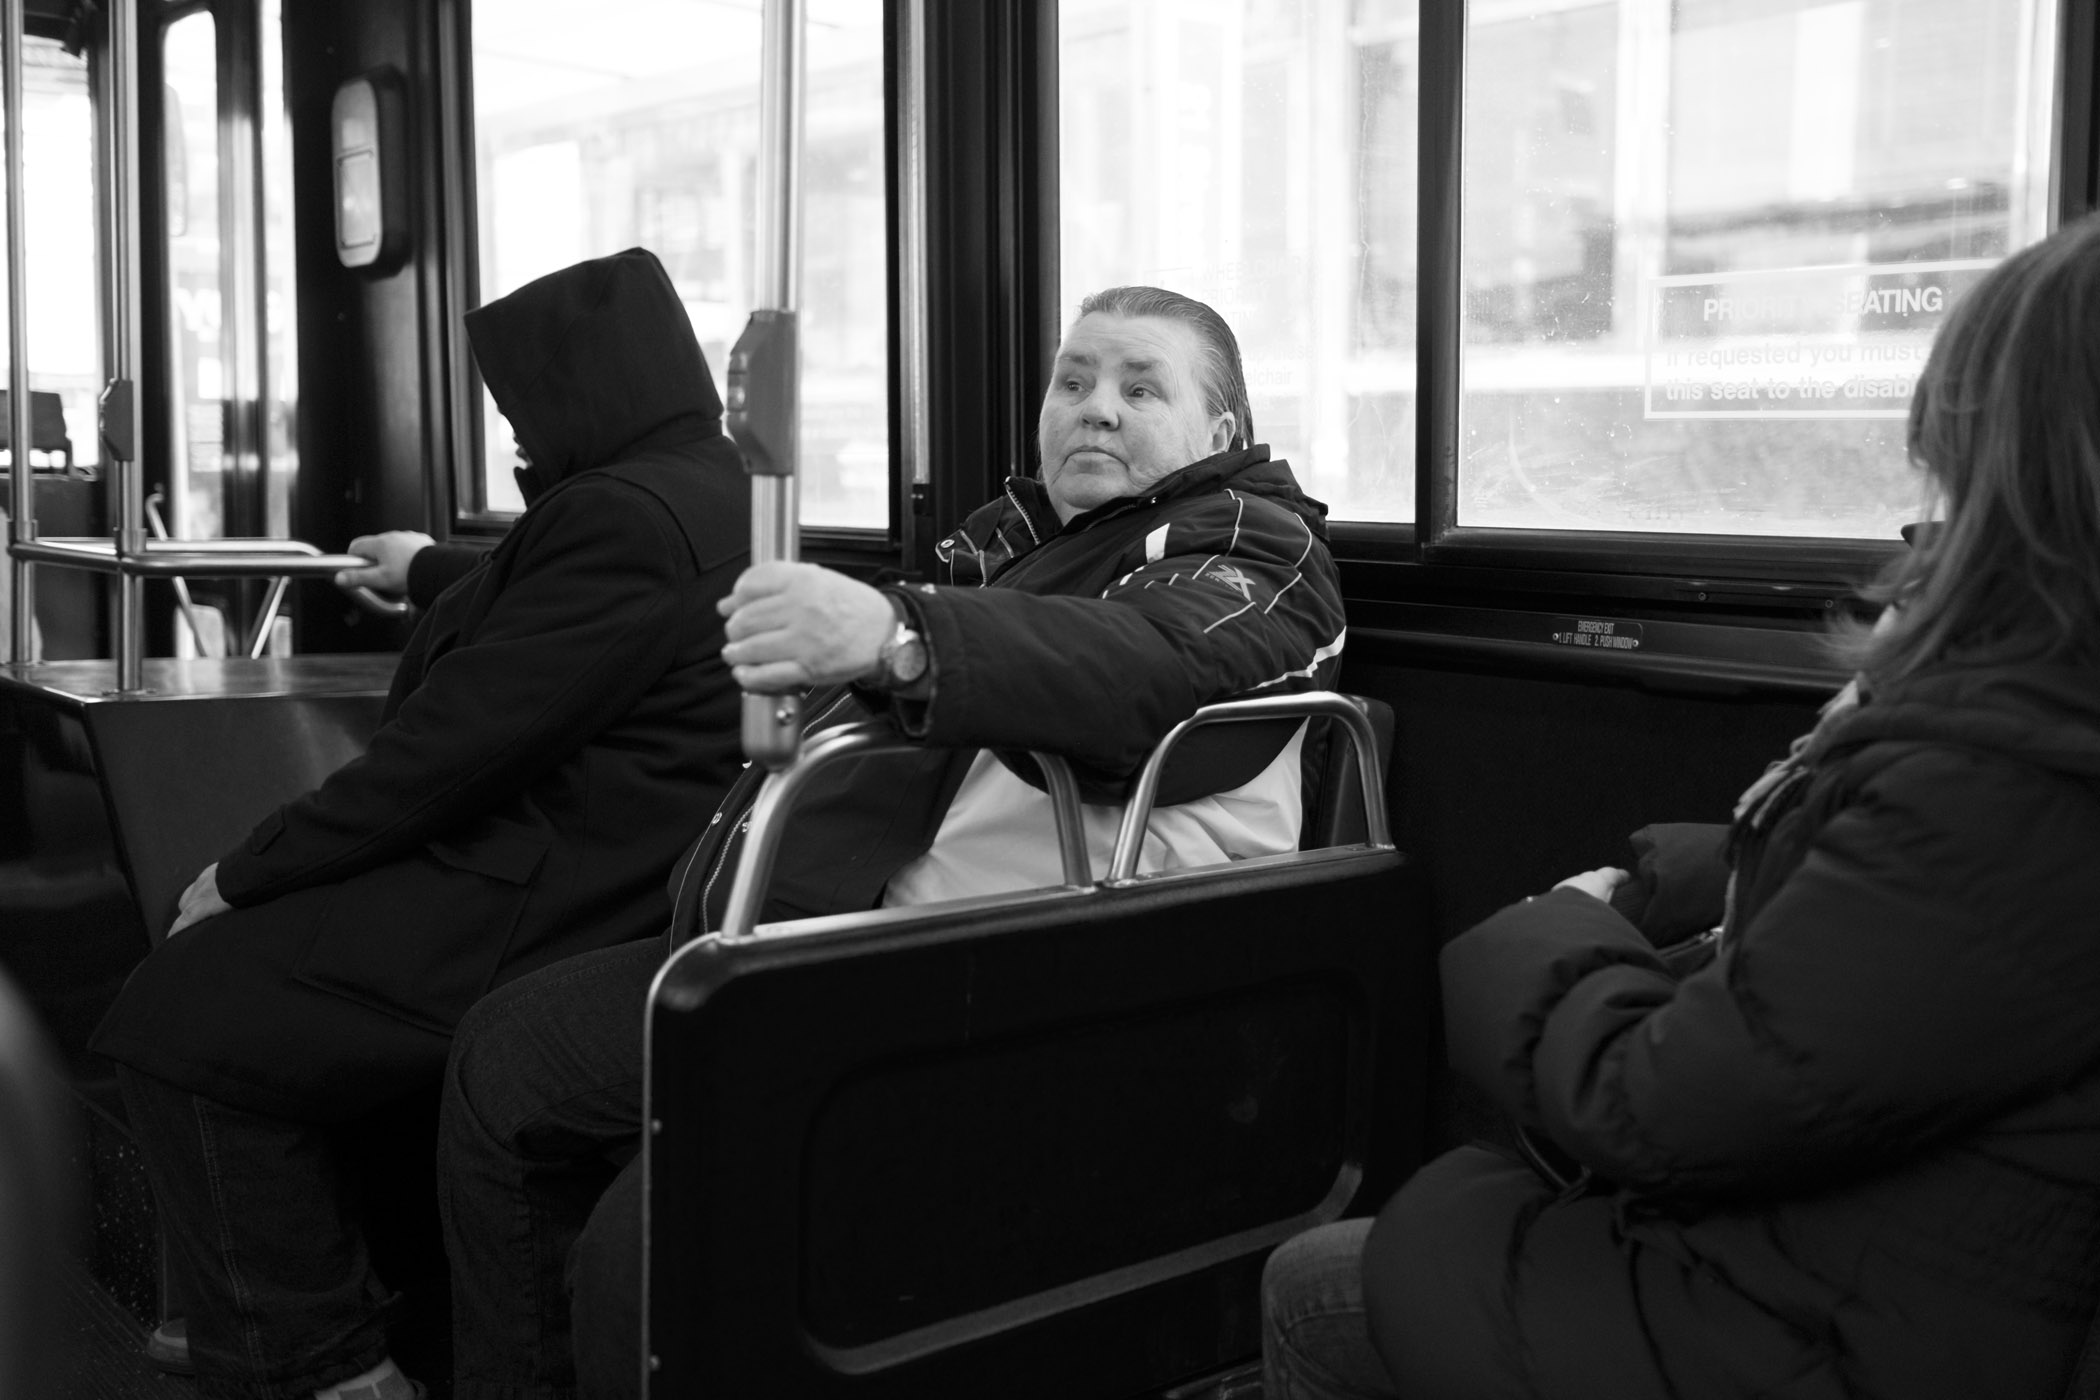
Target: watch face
908, 663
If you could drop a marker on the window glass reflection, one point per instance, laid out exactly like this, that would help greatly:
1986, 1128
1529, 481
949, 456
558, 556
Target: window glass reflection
65, 345
197, 389
58, 200
587, 142
1260, 155
280, 291
1706, 244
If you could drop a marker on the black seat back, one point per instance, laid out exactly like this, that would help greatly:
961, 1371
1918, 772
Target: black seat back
1041, 1148
187, 777
47, 424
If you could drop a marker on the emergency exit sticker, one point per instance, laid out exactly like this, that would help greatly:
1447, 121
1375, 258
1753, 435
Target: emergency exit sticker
1814, 342
1607, 633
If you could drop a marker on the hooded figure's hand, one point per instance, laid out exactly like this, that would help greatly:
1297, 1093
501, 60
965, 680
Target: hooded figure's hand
390, 554
200, 901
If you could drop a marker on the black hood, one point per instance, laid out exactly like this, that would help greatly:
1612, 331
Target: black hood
589, 362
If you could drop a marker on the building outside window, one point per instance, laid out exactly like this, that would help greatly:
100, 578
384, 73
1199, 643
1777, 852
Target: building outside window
588, 142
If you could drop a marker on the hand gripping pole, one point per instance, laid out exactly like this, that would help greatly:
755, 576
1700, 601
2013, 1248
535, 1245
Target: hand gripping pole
761, 414
765, 368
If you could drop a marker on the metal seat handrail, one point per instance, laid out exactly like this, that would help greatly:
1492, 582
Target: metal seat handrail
784, 787
1137, 813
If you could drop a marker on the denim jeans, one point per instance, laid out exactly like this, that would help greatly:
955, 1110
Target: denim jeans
1316, 1344
542, 1108
263, 1245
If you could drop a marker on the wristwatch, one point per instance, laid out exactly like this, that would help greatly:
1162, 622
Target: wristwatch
902, 660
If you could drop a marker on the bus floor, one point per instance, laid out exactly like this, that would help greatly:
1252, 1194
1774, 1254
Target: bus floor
102, 1349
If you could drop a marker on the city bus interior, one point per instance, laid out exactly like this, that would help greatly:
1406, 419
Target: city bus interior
1593, 323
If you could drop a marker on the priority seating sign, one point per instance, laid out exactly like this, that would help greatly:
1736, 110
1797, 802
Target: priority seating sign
1814, 342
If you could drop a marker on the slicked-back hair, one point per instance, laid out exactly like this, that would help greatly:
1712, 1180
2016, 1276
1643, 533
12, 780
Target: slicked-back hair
1219, 372
2005, 423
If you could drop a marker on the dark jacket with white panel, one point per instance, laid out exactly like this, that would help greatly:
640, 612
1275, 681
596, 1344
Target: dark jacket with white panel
559, 727
1089, 639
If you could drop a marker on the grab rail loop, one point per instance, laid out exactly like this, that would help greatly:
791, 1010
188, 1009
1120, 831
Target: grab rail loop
1122, 866
785, 786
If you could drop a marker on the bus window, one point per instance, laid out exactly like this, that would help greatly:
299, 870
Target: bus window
58, 189
65, 339
587, 142
1706, 243
197, 389
1261, 156
280, 337
231, 329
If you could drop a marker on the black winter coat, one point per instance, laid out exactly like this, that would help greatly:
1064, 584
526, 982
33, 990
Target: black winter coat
559, 727
1091, 640
435, 568
1858, 1154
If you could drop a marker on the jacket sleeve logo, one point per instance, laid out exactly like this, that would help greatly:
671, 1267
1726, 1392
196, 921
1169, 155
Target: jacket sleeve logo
1233, 579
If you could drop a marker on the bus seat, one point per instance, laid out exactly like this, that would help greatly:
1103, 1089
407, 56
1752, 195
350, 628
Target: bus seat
137, 795
47, 425
1039, 1145
224, 766
130, 798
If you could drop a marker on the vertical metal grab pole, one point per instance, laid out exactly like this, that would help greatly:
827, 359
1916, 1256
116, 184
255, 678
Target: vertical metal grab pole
120, 399
764, 367
21, 512
913, 277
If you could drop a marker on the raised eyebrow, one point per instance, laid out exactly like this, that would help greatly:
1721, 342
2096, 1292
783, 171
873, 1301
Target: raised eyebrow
1079, 359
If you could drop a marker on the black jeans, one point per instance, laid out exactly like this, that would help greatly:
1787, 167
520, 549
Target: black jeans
542, 1110
265, 1246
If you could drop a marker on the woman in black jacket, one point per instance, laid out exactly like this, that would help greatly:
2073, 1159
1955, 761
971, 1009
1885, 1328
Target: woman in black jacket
1858, 1152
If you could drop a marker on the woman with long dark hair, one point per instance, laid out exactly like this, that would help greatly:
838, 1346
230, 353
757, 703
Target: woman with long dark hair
1857, 1153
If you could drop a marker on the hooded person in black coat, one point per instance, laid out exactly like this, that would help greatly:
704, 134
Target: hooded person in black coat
1857, 1153
559, 727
